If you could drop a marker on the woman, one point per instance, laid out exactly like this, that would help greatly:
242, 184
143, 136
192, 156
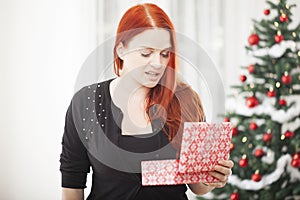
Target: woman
141, 111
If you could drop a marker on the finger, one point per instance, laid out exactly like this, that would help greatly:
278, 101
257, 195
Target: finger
226, 163
217, 184
223, 170
219, 176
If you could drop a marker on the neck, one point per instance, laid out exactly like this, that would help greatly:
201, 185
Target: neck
127, 90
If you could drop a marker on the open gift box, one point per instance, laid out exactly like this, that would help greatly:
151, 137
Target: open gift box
203, 145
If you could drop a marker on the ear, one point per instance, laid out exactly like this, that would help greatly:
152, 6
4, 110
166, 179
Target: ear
120, 50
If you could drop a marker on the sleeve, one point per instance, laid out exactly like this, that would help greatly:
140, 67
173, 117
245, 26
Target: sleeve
74, 161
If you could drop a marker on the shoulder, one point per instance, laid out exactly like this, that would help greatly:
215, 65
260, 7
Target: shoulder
84, 101
88, 92
83, 108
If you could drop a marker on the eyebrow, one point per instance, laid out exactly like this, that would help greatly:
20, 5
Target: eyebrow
165, 49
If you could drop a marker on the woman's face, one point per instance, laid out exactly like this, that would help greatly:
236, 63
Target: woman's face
146, 56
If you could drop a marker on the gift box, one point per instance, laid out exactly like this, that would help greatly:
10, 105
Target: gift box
203, 145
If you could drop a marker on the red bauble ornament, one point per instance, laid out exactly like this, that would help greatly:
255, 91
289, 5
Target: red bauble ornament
286, 79
278, 38
256, 177
252, 102
267, 137
243, 78
234, 131
226, 119
283, 18
251, 69
253, 126
243, 162
289, 134
296, 160
271, 93
282, 102
266, 11
296, 163
258, 153
235, 196
253, 39
296, 156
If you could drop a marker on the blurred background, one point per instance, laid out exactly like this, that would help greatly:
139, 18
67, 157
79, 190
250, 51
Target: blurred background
43, 46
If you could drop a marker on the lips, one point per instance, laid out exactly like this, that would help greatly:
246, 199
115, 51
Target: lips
152, 73
152, 76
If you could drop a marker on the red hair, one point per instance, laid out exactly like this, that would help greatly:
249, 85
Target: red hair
170, 94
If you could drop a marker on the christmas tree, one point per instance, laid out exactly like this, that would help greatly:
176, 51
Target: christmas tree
265, 112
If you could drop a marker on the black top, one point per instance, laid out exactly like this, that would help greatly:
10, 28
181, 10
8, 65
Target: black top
92, 138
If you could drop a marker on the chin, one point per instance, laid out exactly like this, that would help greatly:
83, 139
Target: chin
150, 84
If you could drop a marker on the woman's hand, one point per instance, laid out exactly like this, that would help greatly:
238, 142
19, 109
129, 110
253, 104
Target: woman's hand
72, 194
222, 172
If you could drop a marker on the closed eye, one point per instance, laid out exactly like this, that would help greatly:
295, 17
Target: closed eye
165, 54
146, 53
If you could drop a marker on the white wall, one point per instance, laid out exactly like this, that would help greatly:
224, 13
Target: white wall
42, 46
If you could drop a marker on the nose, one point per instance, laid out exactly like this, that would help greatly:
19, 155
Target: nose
156, 60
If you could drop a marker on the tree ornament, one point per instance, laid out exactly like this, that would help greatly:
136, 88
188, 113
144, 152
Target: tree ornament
243, 78
250, 146
284, 149
252, 102
253, 39
234, 131
296, 163
271, 92
258, 153
235, 196
256, 176
278, 38
286, 78
251, 69
277, 84
296, 156
243, 162
287, 6
266, 11
282, 102
296, 160
289, 134
244, 139
294, 34
267, 137
226, 119
231, 146
253, 126
283, 18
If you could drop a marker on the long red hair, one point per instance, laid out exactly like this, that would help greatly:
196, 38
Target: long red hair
177, 101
